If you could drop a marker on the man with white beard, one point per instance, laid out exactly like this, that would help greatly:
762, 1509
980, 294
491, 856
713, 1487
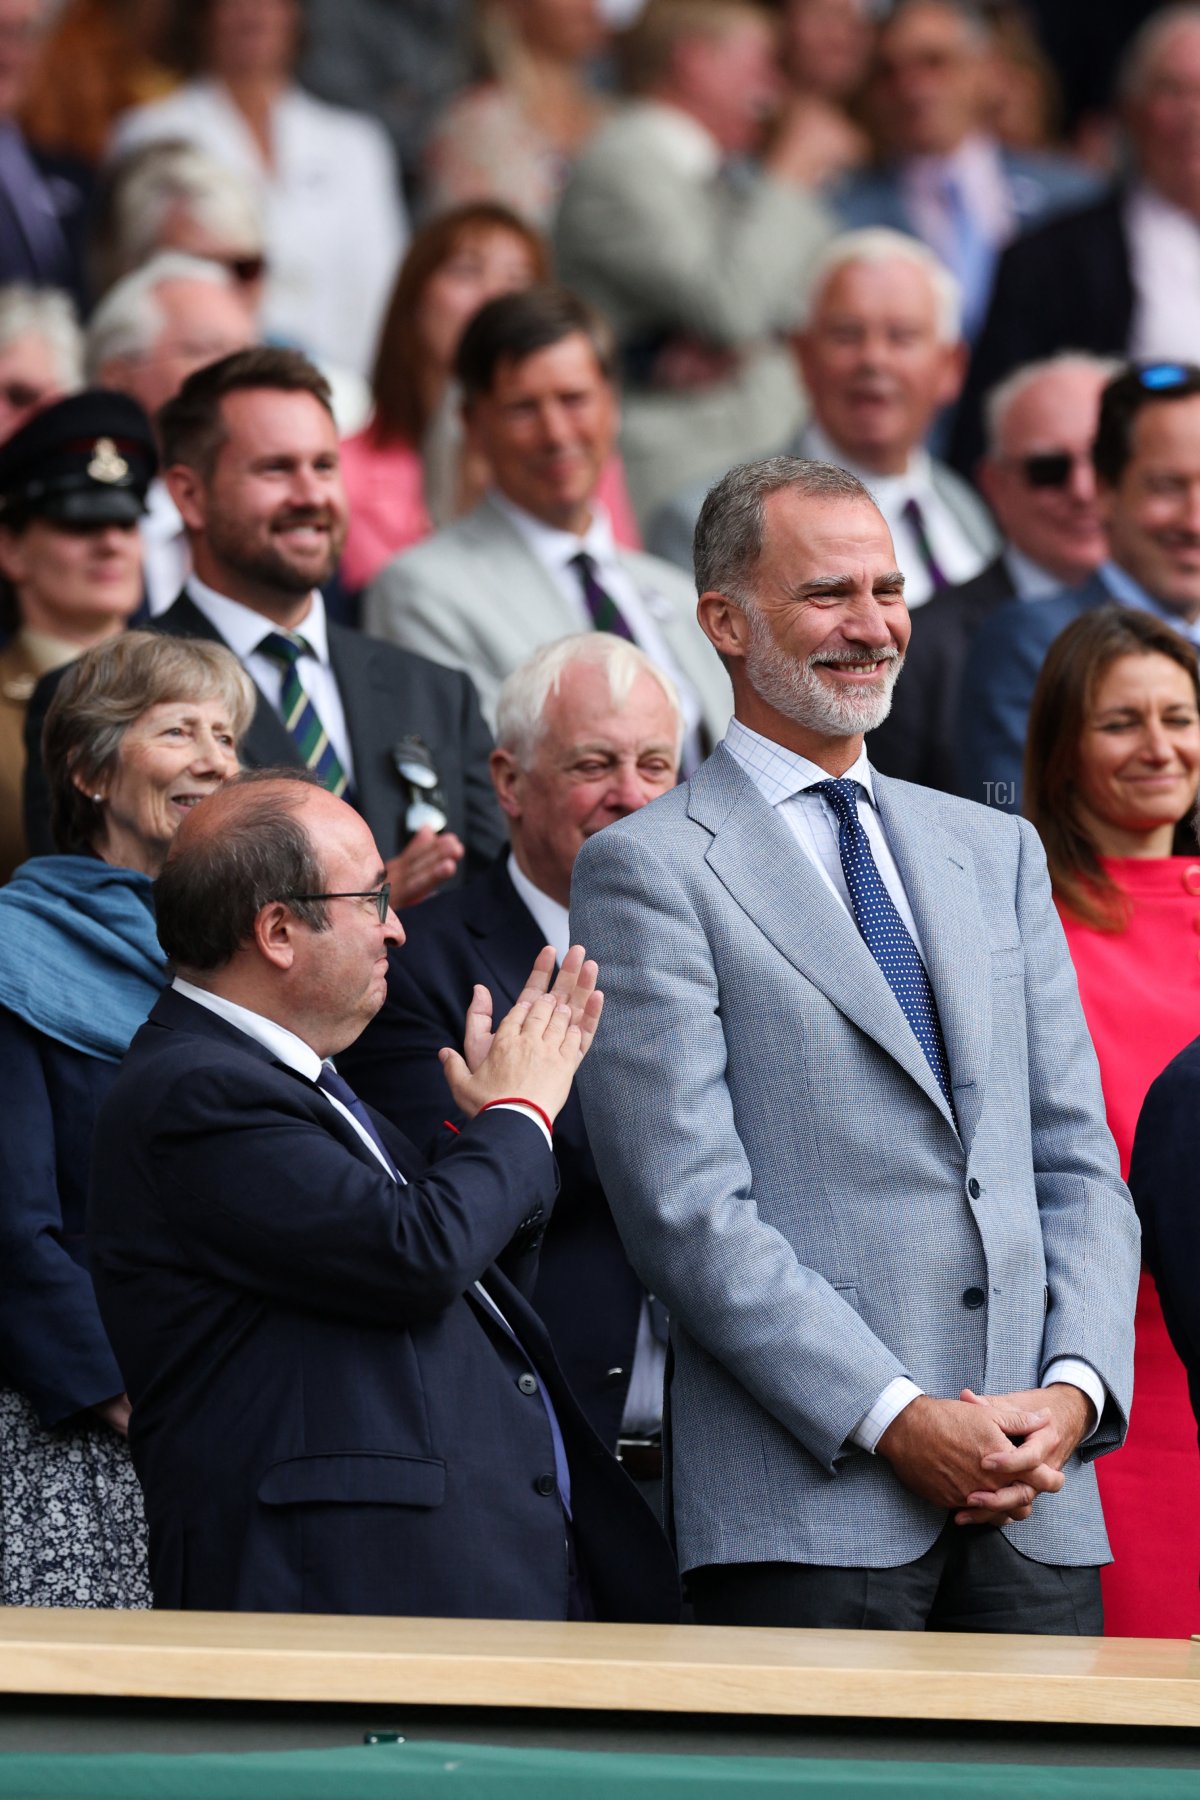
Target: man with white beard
849, 1123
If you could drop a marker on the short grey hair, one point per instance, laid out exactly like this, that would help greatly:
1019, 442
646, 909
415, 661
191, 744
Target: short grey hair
879, 244
729, 532
49, 314
129, 319
150, 183
521, 706
101, 695
1143, 47
999, 400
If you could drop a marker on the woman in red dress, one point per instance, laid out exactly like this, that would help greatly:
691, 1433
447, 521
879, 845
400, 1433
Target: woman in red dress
1112, 765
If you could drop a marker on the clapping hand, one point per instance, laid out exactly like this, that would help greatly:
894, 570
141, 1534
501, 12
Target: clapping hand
539, 1044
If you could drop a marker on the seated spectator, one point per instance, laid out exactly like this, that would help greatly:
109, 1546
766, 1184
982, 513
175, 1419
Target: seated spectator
1038, 479
514, 136
250, 453
72, 489
944, 177
881, 355
335, 222
1112, 768
41, 352
588, 731
270, 1252
98, 58
536, 559
696, 252
45, 197
141, 730
168, 317
1116, 276
410, 468
1147, 461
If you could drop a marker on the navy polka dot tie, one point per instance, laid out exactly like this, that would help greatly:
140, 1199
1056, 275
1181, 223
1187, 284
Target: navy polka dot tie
884, 931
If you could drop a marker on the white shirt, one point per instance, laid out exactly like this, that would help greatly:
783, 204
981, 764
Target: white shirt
1164, 246
243, 630
554, 549
958, 558
643, 1401
781, 776
166, 558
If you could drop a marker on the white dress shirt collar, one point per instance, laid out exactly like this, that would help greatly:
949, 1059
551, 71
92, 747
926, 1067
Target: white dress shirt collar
552, 547
1029, 579
778, 773
550, 916
283, 1044
243, 629
890, 491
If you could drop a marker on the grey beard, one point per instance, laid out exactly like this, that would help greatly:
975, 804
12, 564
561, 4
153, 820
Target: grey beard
797, 691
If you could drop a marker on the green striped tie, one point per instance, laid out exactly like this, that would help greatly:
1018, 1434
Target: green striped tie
300, 715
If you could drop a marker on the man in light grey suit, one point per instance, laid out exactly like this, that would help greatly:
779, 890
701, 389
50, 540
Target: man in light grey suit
536, 560
881, 353
849, 1122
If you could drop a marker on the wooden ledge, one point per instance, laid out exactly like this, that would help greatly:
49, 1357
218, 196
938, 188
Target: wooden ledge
620, 1668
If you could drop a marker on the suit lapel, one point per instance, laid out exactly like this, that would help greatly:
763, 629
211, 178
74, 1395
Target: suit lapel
804, 921
505, 932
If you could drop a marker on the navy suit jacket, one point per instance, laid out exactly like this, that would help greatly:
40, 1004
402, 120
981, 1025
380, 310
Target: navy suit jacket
1162, 1180
324, 1418
388, 694
1001, 673
586, 1292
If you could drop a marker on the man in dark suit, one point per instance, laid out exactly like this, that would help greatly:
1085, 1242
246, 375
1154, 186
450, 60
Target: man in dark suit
588, 732
1117, 276
250, 453
342, 1401
1147, 461
1038, 478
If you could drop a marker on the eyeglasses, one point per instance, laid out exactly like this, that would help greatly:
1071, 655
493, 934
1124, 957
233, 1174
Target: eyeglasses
1048, 469
381, 896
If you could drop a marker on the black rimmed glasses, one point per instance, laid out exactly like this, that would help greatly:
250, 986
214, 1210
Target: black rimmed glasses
381, 896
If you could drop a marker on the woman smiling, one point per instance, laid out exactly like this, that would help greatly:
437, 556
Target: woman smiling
142, 729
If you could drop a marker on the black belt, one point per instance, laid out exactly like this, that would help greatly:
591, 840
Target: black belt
641, 1457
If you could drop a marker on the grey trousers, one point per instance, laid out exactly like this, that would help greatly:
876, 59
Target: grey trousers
971, 1579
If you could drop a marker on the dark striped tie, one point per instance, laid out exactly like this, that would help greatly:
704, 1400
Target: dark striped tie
606, 614
285, 648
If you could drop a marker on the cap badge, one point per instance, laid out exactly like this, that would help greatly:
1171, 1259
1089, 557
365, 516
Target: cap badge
107, 463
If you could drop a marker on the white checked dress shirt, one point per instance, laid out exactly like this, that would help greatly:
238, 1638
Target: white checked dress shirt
782, 778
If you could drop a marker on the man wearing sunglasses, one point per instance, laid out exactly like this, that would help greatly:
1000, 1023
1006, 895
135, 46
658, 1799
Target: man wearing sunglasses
343, 1401
1038, 479
1147, 462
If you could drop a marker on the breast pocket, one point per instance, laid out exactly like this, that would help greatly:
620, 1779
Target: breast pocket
1008, 964
354, 1478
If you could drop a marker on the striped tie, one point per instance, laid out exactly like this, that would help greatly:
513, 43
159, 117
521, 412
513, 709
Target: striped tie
606, 614
300, 715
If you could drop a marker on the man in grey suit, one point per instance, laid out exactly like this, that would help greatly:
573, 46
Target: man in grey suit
849, 1121
536, 559
881, 353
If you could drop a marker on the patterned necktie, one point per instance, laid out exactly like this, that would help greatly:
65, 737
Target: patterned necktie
912, 514
606, 614
300, 716
884, 931
333, 1084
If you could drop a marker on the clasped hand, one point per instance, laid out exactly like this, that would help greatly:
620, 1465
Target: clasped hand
535, 1050
987, 1458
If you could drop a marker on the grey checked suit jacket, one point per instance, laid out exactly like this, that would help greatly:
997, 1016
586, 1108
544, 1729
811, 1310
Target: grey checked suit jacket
787, 1176
474, 597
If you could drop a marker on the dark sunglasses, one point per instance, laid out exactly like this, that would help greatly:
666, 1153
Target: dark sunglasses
245, 269
1049, 469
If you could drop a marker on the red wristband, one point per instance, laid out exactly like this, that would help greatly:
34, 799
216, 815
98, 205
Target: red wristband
520, 1100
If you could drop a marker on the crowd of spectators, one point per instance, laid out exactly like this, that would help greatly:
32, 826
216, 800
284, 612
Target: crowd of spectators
364, 369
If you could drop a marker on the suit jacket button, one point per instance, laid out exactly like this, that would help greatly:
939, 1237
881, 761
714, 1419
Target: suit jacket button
614, 1374
527, 1384
973, 1298
974, 1189
545, 1484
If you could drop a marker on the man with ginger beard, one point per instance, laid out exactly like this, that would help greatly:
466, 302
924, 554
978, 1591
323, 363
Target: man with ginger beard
250, 454
849, 1122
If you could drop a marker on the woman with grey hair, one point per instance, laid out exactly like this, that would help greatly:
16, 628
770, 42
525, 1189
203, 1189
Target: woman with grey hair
141, 730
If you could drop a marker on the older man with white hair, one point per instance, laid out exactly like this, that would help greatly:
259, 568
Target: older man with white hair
151, 330
880, 353
41, 352
588, 730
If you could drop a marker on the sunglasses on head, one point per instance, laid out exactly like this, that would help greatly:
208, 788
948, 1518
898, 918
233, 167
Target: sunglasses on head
1158, 378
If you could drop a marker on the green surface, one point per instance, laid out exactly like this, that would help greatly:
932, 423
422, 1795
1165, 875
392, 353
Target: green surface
414, 1771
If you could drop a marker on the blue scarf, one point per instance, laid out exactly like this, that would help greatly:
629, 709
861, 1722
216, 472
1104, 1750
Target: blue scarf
79, 957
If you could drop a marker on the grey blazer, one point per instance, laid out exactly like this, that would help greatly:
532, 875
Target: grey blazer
787, 1176
474, 597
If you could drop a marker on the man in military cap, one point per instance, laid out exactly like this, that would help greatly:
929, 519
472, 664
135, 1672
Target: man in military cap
72, 488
